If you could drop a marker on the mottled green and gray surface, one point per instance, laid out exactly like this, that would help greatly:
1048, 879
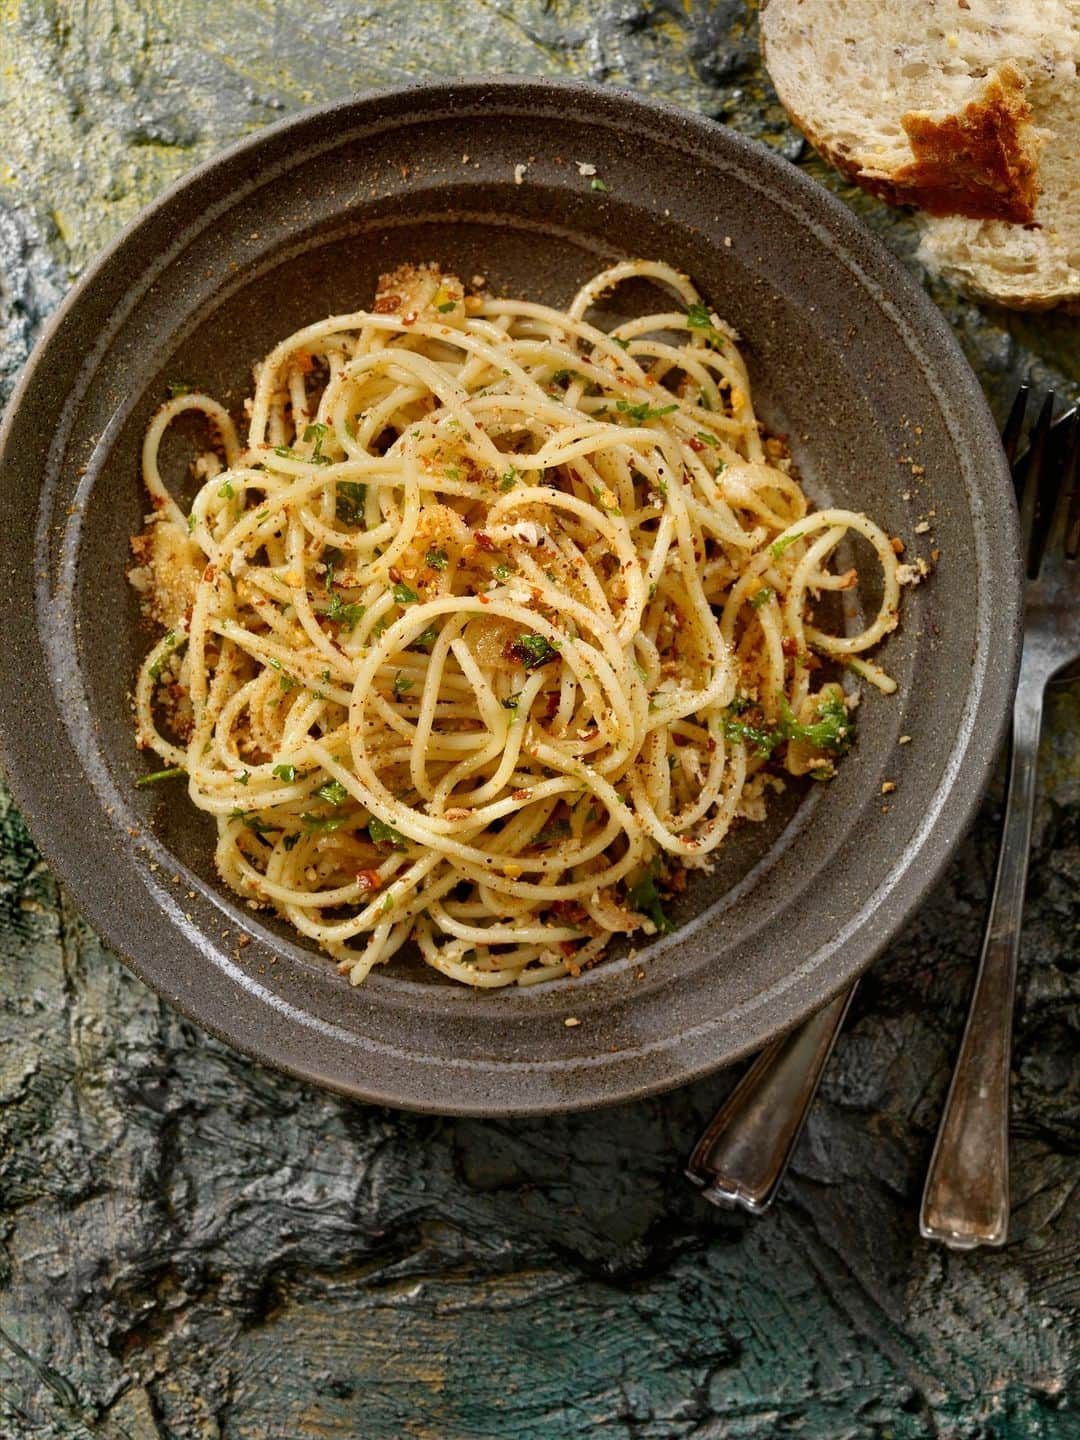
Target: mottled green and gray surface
193, 1246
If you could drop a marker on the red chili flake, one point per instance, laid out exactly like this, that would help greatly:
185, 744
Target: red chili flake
790, 646
521, 795
369, 880
386, 304
569, 910
552, 698
568, 947
208, 573
395, 574
484, 542
483, 600
695, 443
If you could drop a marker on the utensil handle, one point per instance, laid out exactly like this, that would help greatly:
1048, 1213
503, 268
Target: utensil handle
966, 1199
741, 1158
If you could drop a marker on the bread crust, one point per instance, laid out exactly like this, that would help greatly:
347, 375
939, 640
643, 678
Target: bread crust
981, 162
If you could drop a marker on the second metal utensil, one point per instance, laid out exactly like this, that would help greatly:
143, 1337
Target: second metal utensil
966, 1200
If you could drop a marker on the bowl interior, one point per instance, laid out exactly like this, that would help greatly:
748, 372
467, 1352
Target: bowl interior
863, 384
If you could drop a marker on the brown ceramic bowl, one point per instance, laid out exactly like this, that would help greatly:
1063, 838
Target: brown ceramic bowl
848, 358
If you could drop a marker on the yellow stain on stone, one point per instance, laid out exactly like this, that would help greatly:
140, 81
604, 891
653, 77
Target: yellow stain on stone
62, 227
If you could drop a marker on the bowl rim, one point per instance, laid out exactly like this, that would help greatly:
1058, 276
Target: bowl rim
987, 700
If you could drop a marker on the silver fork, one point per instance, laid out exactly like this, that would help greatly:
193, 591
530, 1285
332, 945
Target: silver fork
742, 1156
966, 1200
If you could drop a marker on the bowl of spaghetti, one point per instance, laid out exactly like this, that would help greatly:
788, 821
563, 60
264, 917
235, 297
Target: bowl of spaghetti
512, 627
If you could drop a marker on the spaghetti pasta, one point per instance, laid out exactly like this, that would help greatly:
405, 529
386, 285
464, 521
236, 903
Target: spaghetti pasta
493, 625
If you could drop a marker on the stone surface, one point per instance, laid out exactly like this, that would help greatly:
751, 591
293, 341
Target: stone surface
194, 1246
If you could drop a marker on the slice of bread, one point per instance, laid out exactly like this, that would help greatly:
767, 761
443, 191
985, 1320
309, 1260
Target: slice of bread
966, 108
1033, 267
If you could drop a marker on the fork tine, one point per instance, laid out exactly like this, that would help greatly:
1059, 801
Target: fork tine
1040, 490
1071, 487
1010, 436
1055, 490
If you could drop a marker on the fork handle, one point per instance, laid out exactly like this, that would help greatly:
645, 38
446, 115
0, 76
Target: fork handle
743, 1155
966, 1199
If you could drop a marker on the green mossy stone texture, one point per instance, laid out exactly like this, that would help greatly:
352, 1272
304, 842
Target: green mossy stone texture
194, 1246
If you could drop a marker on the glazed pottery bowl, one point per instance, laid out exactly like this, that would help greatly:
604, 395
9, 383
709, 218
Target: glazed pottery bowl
848, 359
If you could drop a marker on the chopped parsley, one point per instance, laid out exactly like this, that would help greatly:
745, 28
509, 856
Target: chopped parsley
384, 835
437, 559
507, 479
402, 683
833, 729
445, 309
252, 821
284, 772
698, 318
645, 898
597, 184
347, 616
168, 640
552, 831
503, 572
226, 492
532, 651
333, 792
176, 388
425, 638
324, 823
644, 411
349, 505
156, 775
763, 596
777, 548
707, 439
403, 595
753, 736
317, 432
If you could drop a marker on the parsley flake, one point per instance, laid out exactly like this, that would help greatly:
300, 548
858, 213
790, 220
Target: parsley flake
644, 411
532, 651
777, 548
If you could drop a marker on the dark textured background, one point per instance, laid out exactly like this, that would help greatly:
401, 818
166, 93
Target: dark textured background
193, 1246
